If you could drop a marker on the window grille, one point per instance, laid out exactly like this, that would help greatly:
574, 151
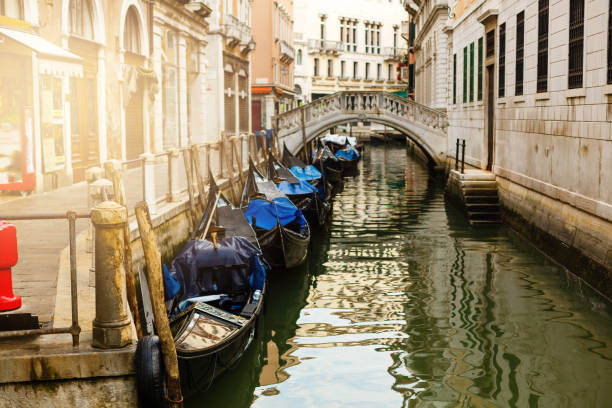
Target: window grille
455, 78
501, 91
576, 44
472, 72
491, 43
520, 53
543, 45
480, 65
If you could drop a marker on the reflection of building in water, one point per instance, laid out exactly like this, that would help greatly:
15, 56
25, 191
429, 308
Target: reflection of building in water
84, 81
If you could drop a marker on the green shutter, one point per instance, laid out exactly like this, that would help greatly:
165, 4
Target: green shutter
465, 77
480, 64
472, 72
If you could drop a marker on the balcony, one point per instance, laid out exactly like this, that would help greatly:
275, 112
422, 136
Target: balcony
236, 32
393, 53
325, 47
202, 8
287, 52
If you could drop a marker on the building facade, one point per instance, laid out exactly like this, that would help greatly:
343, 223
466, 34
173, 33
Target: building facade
96, 81
273, 89
528, 88
340, 45
228, 54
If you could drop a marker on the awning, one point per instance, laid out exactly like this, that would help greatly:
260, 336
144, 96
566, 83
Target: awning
403, 94
53, 60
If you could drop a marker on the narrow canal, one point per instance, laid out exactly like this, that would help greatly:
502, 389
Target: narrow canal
402, 304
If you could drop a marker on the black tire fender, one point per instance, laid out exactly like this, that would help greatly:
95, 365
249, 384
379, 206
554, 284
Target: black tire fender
150, 373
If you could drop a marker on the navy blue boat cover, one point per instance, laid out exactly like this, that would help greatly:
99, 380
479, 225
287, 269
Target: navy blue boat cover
307, 173
268, 213
234, 267
348, 154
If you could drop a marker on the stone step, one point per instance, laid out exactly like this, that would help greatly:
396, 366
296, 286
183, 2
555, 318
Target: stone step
480, 192
473, 175
478, 184
486, 199
482, 207
483, 215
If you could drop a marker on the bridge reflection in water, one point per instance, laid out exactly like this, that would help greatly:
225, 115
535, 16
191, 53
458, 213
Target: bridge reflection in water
403, 304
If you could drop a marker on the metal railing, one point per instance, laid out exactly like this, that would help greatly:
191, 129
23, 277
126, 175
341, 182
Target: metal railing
74, 329
457, 148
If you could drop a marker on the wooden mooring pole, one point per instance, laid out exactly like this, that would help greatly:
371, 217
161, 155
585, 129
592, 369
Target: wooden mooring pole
156, 291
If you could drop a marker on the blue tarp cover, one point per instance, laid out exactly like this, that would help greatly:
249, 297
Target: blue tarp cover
348, 154
303, 187
267, 213
234, 267
307, 173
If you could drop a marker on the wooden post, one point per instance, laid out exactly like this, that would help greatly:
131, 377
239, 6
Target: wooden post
238, 160
156, 291
304, 137
208, 168
197, 165
189, 174
276, 130
130, 281
230, 154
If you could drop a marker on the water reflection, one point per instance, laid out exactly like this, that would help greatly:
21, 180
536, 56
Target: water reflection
402, 304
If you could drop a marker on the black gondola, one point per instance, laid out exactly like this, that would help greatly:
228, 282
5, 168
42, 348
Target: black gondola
282, 230
327, 163
345, 152
222, 286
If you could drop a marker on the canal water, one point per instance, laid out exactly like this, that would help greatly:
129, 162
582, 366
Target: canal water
403, 304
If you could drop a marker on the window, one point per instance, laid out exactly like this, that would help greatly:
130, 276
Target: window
298, 59
131, 32
480, 66
465, 70
354, 36
379, 72
367, 38
390, 72
520, 53
170, 91
472, 72
610, 44
367, 72
576, 43
501, 91
491, 43
355, 69
543, 45
454, 78
81, 18
330, 68
316, 67
342, 69
12, 9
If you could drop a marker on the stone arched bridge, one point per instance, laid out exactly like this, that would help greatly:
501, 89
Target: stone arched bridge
424, 126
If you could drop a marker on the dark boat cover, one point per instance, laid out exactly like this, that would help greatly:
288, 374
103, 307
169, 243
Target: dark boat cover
236, 266
268, 213
307, 173
299, 188
347, 154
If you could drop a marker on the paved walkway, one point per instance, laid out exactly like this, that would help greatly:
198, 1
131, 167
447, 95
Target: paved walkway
40, 244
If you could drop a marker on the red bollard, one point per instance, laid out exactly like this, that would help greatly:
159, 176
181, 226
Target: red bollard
8, 259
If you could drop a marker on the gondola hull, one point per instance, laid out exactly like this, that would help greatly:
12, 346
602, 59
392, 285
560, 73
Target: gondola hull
349, 167
283, 247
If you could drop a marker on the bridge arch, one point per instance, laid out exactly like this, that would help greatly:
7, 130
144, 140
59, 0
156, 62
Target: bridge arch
424, 126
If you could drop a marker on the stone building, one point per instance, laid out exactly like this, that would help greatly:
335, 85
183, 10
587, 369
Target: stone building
343, 45
98, 80
529, 86
273, 90
228, 71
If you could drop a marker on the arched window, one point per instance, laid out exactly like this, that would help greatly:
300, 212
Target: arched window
81, 18
12, 9
298, 60
131, 32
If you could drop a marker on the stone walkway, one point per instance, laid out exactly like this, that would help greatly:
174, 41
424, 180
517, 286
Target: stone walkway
40, 244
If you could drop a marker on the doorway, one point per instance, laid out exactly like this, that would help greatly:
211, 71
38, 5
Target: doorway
490, 116
256, 113
134, 129
84, 125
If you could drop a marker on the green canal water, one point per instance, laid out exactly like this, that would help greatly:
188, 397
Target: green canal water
403, 304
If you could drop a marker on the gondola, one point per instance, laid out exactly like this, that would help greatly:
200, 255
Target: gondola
345, 151
215, 289
282, 230
306, 172
324, 160
311, 200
